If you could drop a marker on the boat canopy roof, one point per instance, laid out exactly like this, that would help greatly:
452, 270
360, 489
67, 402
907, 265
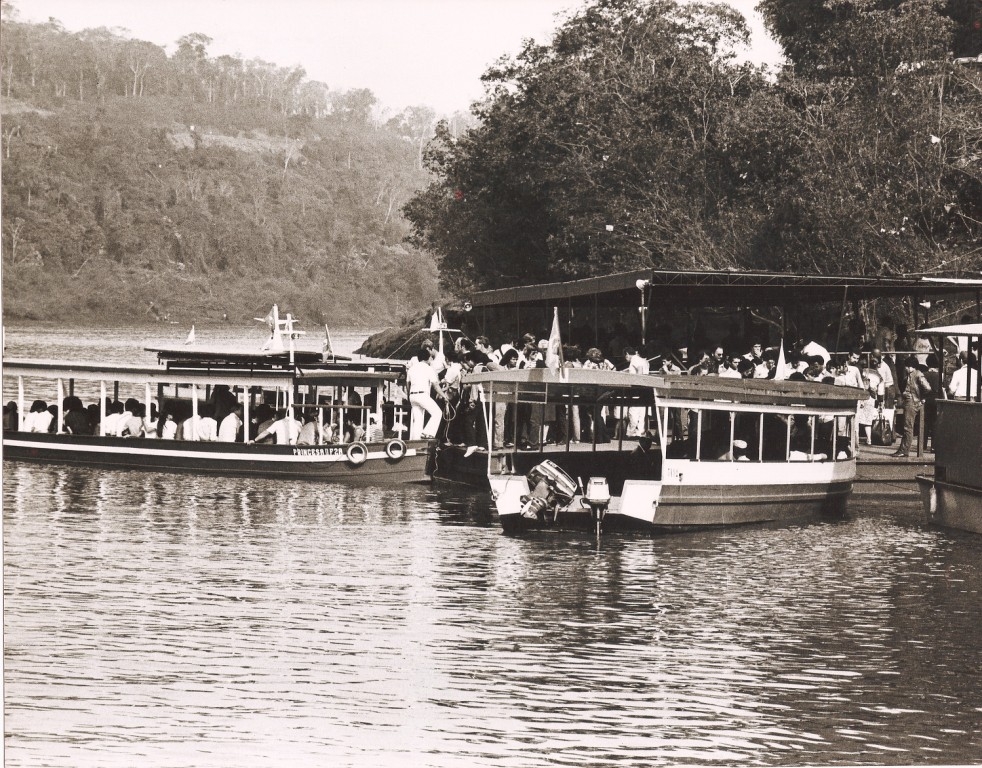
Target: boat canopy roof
592, 385
237, 355
722, 288
339, 374
968, 329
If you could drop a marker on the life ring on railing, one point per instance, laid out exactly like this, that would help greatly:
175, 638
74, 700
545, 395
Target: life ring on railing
395, 449
357, 453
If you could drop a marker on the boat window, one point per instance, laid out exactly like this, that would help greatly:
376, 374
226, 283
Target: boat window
712, 435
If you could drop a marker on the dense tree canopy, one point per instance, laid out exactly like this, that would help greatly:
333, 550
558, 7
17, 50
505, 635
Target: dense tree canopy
637, 139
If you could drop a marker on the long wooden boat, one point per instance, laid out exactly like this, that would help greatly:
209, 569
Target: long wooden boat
186, 380
723, 452
953, 496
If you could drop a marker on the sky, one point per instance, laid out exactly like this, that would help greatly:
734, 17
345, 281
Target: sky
407, 52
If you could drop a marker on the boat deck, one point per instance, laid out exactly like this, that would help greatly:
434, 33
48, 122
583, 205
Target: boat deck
879, 475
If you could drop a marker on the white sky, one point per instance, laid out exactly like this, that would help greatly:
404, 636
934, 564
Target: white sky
408, 52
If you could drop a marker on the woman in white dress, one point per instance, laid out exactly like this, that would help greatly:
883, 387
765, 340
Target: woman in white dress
866, 413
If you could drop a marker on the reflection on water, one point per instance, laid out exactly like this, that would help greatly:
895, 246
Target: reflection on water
169, 620
175, 620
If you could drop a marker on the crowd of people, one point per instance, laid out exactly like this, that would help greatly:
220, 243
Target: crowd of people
440, 406
899, 383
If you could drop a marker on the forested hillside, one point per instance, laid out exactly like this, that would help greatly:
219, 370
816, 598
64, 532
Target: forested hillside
138, 185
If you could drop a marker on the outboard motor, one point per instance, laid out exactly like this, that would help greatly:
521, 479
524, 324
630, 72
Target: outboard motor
597, 498
551, 489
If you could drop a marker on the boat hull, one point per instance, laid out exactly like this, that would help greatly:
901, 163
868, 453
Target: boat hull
956, 487
952, 505
328, 463
702, 508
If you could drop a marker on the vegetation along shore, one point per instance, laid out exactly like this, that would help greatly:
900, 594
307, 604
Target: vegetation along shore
141, 184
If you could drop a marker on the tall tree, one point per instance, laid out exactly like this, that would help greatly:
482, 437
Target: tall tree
594, 153
828, 39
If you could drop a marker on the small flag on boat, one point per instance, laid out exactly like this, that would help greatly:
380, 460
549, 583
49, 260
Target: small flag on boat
327, 353
436, 319
190, 338
781, 370
554, 352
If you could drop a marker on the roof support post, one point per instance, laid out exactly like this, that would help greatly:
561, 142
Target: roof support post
59, 408
102, 407
148, 402
20, 404
247, 397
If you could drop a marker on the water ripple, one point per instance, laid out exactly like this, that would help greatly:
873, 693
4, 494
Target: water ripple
173, 620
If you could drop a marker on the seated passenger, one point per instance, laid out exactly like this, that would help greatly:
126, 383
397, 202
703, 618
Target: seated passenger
223, 401
329, 432
114, 415
39, 418
374, 433
228, 430
76, 418
151, 422
11, 418
801, 438
353, 432
308, 432
206, 427
285, 429
169, 429
264, 418
54, 425
94, 418
131, 423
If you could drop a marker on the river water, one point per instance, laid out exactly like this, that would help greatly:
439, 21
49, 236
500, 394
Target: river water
172, 620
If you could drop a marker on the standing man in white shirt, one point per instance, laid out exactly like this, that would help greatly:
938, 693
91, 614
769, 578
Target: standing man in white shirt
732, 369
851, 375
636, 414
964, 381
423, 381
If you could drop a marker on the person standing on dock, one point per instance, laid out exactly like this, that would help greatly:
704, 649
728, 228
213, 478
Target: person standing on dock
639, 365
423, 381
915, 394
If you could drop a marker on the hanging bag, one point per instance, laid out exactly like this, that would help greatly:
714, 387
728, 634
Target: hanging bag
882, 431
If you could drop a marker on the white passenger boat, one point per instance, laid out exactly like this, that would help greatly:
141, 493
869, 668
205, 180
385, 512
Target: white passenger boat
953, 496
190, 381
723, 451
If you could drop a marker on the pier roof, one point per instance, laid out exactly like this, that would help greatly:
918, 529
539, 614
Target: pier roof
724, 288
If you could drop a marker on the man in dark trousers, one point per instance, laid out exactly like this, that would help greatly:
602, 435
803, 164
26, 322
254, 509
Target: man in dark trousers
915, 393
